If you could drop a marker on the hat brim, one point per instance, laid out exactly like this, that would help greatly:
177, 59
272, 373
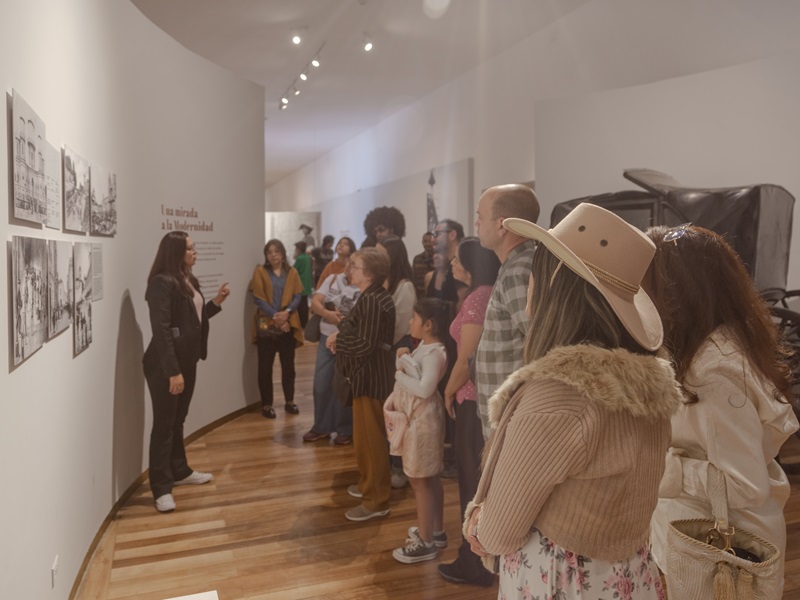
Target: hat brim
636, 312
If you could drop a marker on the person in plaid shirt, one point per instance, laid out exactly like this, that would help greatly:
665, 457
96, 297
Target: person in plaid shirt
500, 349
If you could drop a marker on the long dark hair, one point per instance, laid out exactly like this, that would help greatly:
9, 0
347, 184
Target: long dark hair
399, 265
698, 284
482, 264
171, 260
279, 245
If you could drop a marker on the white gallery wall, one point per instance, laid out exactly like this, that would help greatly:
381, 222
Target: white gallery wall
499, 113
724, 128
180, 133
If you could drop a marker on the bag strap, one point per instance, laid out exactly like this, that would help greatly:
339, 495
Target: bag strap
717, 491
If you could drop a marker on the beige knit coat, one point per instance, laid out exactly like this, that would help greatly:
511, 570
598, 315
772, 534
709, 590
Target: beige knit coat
578, 452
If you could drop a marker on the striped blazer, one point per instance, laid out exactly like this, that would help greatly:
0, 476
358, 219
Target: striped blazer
363, 345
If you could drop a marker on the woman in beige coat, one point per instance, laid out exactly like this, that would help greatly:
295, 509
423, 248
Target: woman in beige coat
572, 472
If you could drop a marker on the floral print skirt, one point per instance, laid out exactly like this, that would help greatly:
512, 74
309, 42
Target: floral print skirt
543, 570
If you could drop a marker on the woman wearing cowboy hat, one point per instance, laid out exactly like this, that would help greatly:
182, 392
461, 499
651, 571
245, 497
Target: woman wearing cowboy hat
572, 471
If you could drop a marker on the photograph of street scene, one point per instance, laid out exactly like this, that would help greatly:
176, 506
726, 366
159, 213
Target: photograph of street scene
82, 320
30, 185
103, 201
59, 286
28, 276
76, 192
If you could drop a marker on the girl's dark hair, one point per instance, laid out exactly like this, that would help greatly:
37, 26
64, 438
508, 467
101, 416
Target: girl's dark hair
349, 242
698, 284
482, 264
282, 249
399, 266
567, 310
171, 260
436, 311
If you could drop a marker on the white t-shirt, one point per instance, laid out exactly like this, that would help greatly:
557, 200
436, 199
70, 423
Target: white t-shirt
336, 289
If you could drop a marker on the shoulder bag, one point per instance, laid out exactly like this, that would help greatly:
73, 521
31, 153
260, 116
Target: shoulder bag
710, 558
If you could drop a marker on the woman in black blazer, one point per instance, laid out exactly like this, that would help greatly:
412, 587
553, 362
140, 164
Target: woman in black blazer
179, 320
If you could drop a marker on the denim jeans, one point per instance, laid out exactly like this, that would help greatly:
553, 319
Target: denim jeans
329, 414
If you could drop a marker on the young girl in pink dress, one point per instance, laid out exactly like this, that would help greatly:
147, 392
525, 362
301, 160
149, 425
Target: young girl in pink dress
414, 415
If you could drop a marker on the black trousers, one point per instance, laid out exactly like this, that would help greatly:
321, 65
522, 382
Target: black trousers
284, 347
468, 448
167, 453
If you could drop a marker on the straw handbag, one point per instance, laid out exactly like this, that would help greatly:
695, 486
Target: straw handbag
705, 557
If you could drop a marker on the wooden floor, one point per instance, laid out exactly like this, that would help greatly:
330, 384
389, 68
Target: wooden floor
271, 525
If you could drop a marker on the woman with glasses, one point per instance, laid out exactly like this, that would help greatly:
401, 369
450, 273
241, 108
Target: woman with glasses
277, 292
363, 355
179, 321
732, 368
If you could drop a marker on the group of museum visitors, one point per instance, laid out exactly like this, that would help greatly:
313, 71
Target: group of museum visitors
597, 381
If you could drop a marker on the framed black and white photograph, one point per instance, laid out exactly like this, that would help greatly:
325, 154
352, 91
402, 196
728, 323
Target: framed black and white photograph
59, 286
82, 317
30, 196
52, 172
103, 201
29, 283
76, 192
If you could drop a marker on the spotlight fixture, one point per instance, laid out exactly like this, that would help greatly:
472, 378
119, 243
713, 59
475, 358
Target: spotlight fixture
282, 106
296, 92
315, 62
367, 43
284, 100
303, 76
296, 39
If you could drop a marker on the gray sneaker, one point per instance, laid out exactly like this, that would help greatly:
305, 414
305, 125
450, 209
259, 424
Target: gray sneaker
415, 551
399, 480
439, 539
354, 491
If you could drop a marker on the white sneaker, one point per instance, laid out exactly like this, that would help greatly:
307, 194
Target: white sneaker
354, 491
165, 503
196, 478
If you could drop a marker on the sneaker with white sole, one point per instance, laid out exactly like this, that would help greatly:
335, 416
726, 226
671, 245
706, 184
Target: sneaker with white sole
165, 503
415, 551
196, 478
362, 513
439, 539
354, 491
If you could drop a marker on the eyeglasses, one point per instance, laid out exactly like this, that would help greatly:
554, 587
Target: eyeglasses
190, 248
676, 233
441, 231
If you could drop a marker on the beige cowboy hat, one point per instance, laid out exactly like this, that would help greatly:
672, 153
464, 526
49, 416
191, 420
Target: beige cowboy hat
611, 255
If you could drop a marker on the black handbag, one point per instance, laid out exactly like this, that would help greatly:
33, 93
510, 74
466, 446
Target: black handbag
311, 330
267, 328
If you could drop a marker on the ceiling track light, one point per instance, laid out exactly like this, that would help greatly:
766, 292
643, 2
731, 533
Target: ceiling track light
367, 43
293, 89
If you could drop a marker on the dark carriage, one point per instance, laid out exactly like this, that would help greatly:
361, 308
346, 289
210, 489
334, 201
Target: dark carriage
755, 219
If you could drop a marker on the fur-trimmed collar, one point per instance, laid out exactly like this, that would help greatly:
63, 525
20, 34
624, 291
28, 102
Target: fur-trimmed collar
620, 380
